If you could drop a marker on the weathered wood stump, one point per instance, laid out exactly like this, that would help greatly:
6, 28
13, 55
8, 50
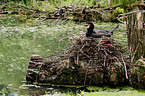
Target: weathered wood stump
136, 32
136, 42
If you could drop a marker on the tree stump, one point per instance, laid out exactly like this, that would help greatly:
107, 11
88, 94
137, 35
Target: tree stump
136, 34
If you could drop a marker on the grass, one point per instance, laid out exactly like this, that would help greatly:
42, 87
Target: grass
106, 91
120, 93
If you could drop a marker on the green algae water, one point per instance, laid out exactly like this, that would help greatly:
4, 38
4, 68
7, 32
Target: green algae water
18, 41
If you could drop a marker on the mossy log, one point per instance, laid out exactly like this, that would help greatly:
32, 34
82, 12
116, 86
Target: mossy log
138, 74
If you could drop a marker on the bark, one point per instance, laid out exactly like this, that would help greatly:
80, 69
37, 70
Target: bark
136, 34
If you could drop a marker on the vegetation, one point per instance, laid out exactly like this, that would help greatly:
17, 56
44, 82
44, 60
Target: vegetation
20, 38
120, 93
53, 4
37, 9
126, 91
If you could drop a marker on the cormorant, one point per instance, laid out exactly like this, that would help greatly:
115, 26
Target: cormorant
98, 33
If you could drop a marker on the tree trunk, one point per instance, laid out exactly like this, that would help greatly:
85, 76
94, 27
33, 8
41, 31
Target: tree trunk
136, 34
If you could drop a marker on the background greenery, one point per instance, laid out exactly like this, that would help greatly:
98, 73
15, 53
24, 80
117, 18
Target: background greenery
53, 4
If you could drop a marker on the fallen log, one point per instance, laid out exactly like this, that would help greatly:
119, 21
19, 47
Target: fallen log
90, 61
82, 13
93, 61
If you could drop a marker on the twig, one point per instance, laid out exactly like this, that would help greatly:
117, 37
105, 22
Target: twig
68, 63
133, 55
124, 67
77, 58
85, 77
104, 60
92, 14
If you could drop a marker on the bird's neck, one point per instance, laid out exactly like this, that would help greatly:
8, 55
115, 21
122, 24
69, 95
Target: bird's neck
90, 30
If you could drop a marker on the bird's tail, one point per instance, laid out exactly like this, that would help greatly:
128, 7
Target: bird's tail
114, 28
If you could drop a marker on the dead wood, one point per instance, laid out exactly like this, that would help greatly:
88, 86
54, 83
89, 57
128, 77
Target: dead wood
90, 61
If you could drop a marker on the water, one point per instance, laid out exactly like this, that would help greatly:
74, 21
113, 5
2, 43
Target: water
21, 40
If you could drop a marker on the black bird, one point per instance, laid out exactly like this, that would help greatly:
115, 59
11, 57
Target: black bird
98, 33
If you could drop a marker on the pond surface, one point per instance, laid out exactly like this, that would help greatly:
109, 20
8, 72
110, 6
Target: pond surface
18, 41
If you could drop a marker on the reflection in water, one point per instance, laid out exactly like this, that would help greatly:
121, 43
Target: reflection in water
52, 89
57, 90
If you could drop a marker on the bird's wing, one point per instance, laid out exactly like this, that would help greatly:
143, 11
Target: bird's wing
100, 32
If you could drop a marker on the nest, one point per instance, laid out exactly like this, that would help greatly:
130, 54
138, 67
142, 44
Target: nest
95, 51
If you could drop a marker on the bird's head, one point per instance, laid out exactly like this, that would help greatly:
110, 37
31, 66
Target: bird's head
90, 25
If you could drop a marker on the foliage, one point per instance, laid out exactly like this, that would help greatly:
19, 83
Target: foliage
4, 92
53, 4
45, 6
119, 10
124, 1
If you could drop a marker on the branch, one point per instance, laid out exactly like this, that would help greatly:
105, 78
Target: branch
124, 67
